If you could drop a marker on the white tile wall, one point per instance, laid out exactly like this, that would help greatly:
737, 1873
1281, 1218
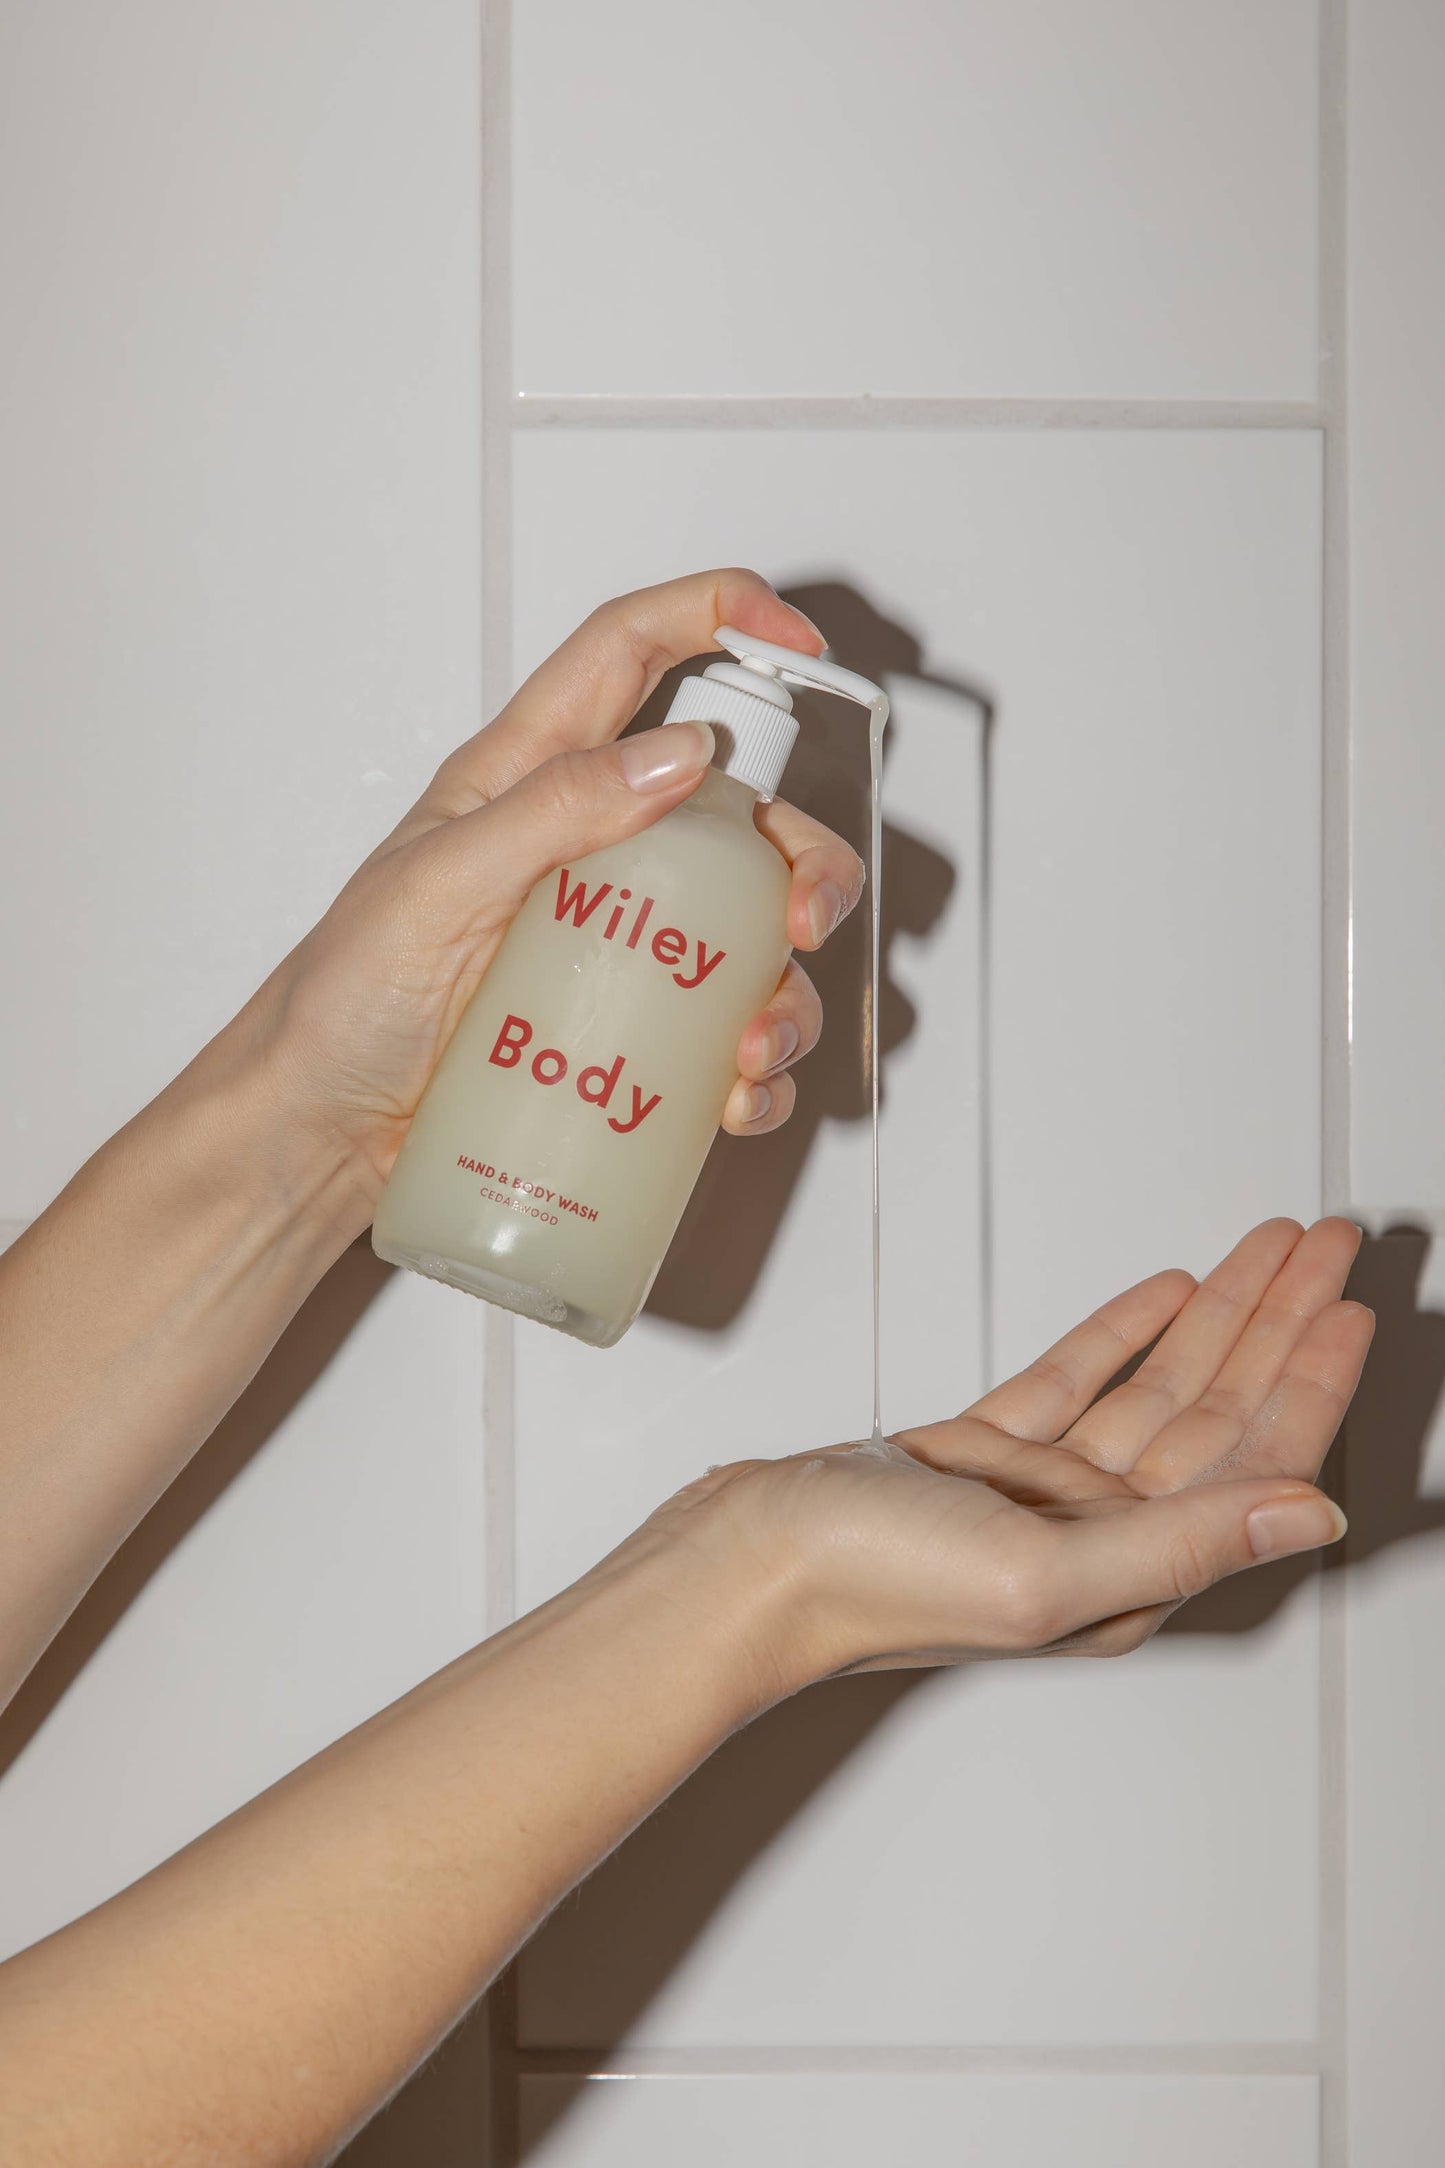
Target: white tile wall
953, 2122
814, 196
239, 442
1396, 1728
1142, 613
320, 1557
1396, 1588
1397, 548
947, 1866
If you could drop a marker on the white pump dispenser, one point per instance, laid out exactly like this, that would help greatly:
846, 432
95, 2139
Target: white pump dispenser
559, 1139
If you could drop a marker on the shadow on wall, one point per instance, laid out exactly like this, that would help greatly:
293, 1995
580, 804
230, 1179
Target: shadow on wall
1377, 1476
648, 1905
314, 1336
747, 1185
641, 1913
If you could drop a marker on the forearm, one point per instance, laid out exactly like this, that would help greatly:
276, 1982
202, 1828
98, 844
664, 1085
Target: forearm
135, 1310
258, 1995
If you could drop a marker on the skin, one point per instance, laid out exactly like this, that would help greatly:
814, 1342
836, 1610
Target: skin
136, 1309
257, 1997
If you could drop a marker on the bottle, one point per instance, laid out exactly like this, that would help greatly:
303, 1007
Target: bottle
559, 1139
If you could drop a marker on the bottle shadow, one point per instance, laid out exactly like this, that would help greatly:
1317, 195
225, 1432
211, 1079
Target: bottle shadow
747, 1184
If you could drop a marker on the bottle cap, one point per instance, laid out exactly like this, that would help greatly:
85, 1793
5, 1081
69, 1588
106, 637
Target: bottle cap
748, 704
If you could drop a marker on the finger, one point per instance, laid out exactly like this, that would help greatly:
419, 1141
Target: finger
787, 1029
828, 874
753, 1109
1309, 1283
1166, 1549
1028, 1473
477, 871
1291, 1430
1118, 1428
591, 687
1042, 1401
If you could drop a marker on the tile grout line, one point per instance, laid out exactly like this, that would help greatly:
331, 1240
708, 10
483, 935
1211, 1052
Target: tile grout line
606, 410
498, 1419
497, 2143
1336, 930
1268, 2060
1336, 838
620, 410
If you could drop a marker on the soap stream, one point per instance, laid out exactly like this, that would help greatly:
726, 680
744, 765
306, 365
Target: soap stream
877, 721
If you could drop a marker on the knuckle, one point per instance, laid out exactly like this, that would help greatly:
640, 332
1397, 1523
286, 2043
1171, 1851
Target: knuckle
623, 621
1048, 1370
1224, 1400
1030, 1613
1217, 1294
561, 787
452, 789
616, 611
1101, 1326
1188, 1566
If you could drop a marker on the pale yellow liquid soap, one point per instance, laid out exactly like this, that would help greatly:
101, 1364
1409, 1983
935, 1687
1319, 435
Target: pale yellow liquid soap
557, 1144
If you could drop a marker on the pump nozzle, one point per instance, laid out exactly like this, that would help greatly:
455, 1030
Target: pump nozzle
748, 704
794, 668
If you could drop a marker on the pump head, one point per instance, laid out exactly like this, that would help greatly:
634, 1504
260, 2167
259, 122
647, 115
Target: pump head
748, 704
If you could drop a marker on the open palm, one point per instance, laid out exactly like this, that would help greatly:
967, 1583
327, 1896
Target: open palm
1066, 1512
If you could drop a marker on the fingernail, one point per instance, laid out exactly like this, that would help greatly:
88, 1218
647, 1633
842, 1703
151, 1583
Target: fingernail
816, 630
825, 908
779, 1043
664, 756
756, 1102
1293, 1524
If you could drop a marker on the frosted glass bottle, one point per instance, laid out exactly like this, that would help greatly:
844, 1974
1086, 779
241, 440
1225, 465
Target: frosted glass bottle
561, 1134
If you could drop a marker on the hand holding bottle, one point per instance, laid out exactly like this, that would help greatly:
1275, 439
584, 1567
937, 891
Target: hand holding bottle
360, 1012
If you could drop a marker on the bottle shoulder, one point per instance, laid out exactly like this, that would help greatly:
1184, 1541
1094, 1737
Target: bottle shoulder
700, 840
701, 845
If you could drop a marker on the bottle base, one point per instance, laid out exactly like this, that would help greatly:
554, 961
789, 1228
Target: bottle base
503, 1293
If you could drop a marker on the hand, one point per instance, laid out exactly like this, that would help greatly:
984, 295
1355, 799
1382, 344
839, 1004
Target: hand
1057, 1517
358, 1015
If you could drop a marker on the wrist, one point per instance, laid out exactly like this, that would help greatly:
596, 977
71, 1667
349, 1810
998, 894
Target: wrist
721, 1547
236, 1125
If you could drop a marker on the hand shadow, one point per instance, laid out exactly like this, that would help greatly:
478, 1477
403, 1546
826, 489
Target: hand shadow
650, 1902
1376, 1471
747, 1184
652, 1899
315, 1335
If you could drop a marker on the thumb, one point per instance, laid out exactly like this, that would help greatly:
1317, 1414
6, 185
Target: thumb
572, 804
1165, 1549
